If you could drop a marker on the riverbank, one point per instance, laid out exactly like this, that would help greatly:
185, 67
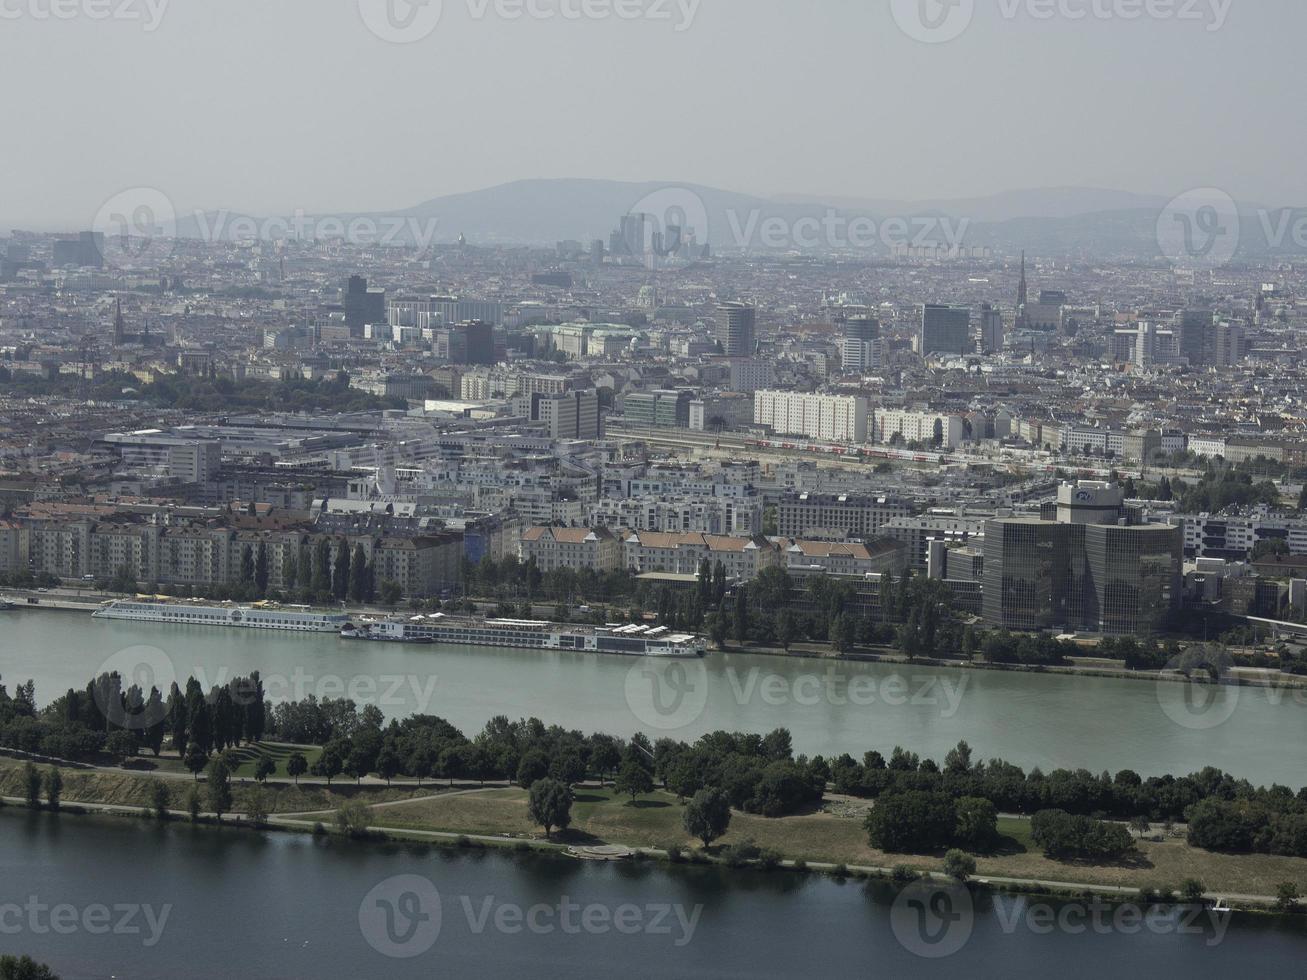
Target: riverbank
830, 839
1256, 677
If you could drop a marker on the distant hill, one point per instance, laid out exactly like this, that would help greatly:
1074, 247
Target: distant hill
1064, 220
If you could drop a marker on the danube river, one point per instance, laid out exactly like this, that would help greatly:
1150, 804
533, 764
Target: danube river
103, 897
1031, 719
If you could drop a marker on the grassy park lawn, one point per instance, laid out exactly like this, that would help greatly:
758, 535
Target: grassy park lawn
598, 816
136, 788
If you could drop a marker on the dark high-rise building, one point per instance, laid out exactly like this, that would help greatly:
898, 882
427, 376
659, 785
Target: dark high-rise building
1089, 569
1197, 337
84, 251
472, 342
737, 329
991, 330
363, 305
945, 330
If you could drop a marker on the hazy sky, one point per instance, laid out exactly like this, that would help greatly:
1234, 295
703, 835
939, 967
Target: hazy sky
272, 105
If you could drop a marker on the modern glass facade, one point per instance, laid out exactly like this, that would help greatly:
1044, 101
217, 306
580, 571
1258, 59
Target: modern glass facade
1114, 579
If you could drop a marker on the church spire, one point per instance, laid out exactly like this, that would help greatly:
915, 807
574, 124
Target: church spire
119, 332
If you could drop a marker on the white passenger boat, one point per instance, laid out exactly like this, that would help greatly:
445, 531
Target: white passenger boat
198, 612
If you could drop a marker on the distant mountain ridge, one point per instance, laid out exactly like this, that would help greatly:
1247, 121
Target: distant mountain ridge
1058, 220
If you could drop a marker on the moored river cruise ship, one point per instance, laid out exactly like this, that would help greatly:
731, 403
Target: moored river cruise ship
631, 640
259, 615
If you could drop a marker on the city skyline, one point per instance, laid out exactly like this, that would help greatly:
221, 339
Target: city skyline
982, 118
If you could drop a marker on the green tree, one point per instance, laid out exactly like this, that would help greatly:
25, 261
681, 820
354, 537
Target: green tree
391, 593
354, 819
264, 768
258, 803
1192, 890
296, 766
194, 803
24, 968
54, 787
741, 624
247, 568
550, 805
32, 781
959, 865
340, 576
707, 816
195, 760
1287, 894
261, 573
159, 799
787, 629
977, 823
218, 787
358, 576
634, 779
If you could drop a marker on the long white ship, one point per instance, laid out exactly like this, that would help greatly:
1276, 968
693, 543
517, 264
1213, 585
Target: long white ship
633, 640
260, 615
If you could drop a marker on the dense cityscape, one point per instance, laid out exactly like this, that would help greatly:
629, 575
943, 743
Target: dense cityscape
657, 488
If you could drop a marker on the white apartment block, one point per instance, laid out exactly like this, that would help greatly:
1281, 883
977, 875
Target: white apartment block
829, 418
571, 547
681, 554
917, 427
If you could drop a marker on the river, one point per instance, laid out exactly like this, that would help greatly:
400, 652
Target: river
1031, 719
104, 897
